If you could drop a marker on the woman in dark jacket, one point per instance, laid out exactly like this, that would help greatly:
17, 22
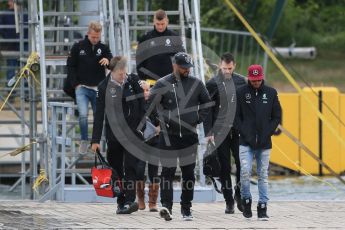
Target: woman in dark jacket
152, 163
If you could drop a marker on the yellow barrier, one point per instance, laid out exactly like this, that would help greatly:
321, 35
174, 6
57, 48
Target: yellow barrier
342, 131
290, 104
309, 135
301, 120
331, 146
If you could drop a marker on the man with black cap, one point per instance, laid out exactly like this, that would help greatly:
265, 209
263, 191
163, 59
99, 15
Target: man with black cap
182, 102
258, 115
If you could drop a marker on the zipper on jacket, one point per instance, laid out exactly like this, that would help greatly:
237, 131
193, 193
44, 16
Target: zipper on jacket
178, 110
256, 135
226, 94
168, 120
129, 111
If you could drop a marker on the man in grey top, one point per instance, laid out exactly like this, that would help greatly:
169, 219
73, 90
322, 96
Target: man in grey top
222, 89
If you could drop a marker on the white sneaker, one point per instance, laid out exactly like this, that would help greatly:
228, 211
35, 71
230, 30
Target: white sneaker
165, 214
83, 146
186, 214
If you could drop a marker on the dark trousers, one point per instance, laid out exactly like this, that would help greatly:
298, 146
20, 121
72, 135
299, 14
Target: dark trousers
152, 172
152, 167
230, 143
125, 165
187, 164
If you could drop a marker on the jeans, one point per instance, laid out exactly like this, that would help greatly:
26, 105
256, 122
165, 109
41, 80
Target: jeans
262, 157
83, 97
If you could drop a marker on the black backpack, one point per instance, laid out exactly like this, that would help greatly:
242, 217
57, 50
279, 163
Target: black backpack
67, 86
211, 165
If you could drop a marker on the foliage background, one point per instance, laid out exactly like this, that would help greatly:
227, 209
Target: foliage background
319, 23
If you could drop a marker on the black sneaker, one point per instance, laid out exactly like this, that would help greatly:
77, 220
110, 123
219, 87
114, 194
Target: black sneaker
229, 209
119, 208
186, 214
262, 212
127, 208
247, 208
165, 213
238, 200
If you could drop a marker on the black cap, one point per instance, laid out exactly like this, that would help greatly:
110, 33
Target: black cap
183, 59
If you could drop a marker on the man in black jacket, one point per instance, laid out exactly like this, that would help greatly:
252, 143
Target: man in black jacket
85, 70
156, 48
181, 103
222, 90
120, 114
258, 115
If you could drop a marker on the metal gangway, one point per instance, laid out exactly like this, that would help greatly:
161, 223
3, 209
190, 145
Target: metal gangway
53, 28
62, 23
124, 33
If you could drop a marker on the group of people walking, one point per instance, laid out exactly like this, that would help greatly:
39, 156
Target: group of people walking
239, 114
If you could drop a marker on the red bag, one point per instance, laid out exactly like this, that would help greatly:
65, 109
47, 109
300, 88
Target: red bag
105, 180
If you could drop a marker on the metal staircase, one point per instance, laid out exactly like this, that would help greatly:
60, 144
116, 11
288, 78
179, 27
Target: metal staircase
134, 22
54, 26
64, 23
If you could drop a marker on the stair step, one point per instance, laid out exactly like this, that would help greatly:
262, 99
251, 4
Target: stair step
86, 13
81, 171
13, 135
11, 53
173, 27
59, 43
56, 76
149, 13
15, 122
65, 28
13, 40
55, 91
56, 60
60, 99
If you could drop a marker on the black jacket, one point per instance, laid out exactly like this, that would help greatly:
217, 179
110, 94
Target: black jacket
83, 63
154, 53
177, 103
132, 110
224, 97
258, 115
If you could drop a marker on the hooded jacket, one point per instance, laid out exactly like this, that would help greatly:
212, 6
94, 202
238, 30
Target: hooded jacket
258, 115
